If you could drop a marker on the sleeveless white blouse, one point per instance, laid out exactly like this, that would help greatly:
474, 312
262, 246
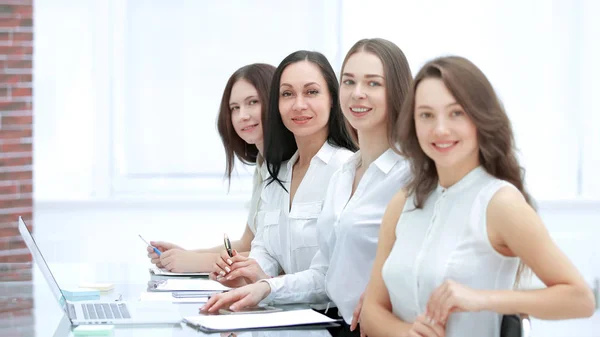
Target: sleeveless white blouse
448, 239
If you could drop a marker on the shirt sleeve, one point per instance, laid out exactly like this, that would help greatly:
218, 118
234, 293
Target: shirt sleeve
307, 286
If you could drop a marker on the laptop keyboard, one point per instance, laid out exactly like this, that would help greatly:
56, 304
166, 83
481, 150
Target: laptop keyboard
105, 311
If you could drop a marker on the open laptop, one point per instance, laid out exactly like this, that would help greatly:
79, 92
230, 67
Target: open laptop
101, 312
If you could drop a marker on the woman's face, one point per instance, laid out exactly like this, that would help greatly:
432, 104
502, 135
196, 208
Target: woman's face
363, 92
446, 133
245, 107
304, 99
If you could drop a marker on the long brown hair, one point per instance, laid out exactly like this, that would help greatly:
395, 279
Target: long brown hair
472, 90
398, 77
260, 76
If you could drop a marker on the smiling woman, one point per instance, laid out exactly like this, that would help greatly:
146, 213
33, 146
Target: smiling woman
306, 141
239, 123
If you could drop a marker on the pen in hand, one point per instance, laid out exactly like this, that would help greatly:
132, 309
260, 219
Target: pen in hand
227, 245
149, 245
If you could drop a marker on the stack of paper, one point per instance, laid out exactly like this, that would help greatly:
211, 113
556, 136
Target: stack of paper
163, 272
187, 285
292, 318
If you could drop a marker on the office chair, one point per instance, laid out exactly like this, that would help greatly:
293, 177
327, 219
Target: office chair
515, 326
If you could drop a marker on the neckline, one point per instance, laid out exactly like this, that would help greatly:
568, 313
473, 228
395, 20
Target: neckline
466, 181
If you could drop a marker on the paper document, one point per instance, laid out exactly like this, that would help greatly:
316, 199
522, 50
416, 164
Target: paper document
168, 297
186, 285
289, 318
162, 272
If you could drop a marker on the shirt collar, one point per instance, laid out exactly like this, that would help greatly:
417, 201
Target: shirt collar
384, 162
466, 181
387, 160
324, 154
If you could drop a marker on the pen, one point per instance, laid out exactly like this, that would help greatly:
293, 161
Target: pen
155, 249
227, 245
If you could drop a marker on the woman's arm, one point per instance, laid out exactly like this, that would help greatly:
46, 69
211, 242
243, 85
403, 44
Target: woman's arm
515, 229
520, 230
377, 317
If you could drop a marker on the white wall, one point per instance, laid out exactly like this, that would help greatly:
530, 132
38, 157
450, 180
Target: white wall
127, 92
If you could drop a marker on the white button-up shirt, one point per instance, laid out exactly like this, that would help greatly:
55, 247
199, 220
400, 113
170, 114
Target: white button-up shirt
286, 238
260, 174
348, 230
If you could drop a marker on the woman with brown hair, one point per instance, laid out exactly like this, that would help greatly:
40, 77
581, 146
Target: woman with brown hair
242, 108
453, 243
375, 79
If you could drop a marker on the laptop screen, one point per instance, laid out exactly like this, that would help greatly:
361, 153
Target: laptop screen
39, 259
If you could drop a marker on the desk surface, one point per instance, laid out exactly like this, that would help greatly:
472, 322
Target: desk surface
46, 318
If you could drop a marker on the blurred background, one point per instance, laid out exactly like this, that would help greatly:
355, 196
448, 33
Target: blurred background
108, 116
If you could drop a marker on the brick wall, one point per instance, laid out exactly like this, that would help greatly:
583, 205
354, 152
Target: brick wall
16, 189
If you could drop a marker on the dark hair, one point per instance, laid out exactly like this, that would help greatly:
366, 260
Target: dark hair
259, 75
280, 144
473, 91
398, 77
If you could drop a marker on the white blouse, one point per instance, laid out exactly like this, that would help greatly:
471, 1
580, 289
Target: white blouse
286, 239
448, 239
260, 174
348, 230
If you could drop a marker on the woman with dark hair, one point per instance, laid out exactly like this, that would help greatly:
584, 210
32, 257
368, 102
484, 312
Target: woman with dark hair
453, 244
375, 79
242, 108
306, 141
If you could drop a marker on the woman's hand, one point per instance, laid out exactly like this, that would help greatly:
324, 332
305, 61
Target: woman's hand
180, 261
425, 327
162, 247
356, 315
237, 270
453, 297
237, 299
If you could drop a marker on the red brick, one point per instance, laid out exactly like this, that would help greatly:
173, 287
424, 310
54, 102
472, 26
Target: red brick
26, 20
21, 92
5, 36
16, 161
12, 242
20, 175
17, 120
23, 10
15, 106
15, 78
9, 22
25, 188
11, 189
16, 50
22, 37
13, 218
15, 258
10, 229
16, 203
8, 134
19, 64
16, 147
3, 92
16, 275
